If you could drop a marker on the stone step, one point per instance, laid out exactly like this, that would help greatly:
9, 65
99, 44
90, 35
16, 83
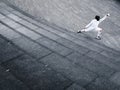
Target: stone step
20, 35
62, 33
54, 36
92, 46
73, 46
33, 21
89, 44
77, 36
40, 31
8, 33
54, 46
34, 49
87, 39
33, 17
49, 29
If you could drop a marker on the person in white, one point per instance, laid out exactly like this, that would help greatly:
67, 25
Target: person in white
93, 25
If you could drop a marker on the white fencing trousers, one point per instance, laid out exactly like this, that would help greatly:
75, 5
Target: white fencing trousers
99, 30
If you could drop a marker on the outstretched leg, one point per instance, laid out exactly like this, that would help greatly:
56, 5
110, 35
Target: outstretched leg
80, 31
85, 30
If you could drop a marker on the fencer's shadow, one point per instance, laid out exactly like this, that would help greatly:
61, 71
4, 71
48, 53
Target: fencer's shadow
88, 37
117, 1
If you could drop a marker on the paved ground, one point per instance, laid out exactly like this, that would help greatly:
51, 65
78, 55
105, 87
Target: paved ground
38, 56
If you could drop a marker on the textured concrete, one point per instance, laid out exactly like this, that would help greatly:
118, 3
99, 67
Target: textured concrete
36, 75
9, 82
75, 87
91, 64
7, 51
37, 55
77, 74
116, 78
102, 84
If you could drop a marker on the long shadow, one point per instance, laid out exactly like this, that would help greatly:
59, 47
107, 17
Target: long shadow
117, 1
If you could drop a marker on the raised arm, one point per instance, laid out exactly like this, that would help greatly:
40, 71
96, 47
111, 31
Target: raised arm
102, 19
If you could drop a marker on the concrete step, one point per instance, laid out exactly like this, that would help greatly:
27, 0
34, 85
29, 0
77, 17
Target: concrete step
71, 36
87, 44
20, 35
45, 33
93, 45
54, 36
40, 24
56, 27
86, 38
52, 25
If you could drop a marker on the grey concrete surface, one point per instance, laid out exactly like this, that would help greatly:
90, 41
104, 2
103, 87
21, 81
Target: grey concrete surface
35, 75
36, 55
102, 84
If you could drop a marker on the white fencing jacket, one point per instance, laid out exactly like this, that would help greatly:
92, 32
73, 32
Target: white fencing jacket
94, 23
